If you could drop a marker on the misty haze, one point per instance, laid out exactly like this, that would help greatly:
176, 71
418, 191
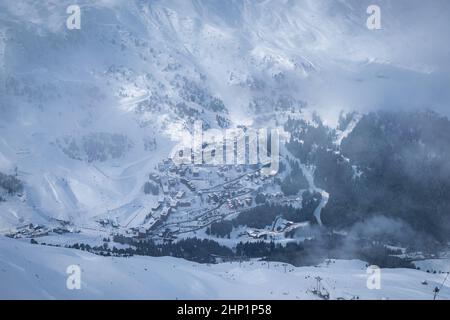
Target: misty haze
334, 182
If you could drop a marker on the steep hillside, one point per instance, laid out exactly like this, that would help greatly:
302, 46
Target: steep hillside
88, 119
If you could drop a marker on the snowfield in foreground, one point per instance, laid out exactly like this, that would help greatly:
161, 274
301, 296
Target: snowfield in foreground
39, 272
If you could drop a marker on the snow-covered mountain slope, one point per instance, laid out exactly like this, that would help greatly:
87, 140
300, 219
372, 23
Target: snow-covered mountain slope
88, 119
39, 272
86, 114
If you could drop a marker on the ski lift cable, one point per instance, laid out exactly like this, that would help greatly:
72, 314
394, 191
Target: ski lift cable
442, 285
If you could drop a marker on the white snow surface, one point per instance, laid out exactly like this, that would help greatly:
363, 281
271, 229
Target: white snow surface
57, 83
39, 272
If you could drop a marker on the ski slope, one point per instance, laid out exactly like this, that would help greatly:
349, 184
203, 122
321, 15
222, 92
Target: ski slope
39, 272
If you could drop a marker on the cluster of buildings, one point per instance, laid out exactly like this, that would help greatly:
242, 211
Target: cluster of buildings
232, 188
233, 204
34, 231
